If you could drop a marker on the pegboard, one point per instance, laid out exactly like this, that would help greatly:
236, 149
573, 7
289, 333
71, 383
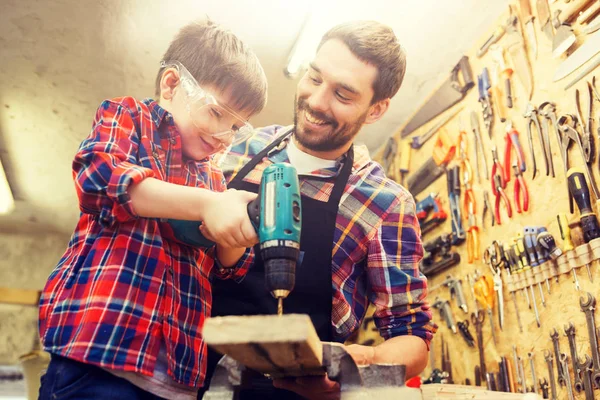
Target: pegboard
548, 196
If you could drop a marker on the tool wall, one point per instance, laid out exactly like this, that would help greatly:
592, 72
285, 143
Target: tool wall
539, 253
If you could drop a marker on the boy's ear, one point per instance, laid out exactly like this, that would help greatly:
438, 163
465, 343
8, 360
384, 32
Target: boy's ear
168, 83
377, 110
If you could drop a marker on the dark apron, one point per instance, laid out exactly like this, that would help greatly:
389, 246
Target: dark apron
312, 294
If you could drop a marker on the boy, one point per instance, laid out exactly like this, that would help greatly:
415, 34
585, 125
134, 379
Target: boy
122, 312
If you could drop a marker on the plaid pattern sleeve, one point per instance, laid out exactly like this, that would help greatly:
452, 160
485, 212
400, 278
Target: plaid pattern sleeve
377, 244
105, 165
237, 271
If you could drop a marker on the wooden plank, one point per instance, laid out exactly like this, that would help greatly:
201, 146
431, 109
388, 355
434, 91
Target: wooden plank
286, 345
26, 297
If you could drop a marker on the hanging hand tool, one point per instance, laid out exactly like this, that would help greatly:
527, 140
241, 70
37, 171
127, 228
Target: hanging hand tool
404, 160
579, 57
585, 16
456, 292
566, 123
554, 336
484, 294
589, 66
588, 385
517, 269
501, 259
521, 369
496, 93
548, 112
540, 251
495, 261
443, 151
570, 334
543, 13
549, 363
586, 126
487, 207
447, 363
458, 232
589, 223
546, 240
565, 234
592, 26
430, 206
564, 361
445, 313
511, 140
418, 141
498, 186
522, 254
532, 367
437, 256
498, 55
520, 191
531, 115
483, 84
520, 381
564, 37
451, 92
478, 145
477, 321
498, 33
469, 203
528, 21
529, 238
588, 306
516, 49
463, 328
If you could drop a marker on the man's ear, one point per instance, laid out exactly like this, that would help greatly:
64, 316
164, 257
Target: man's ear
377, 110
168, 83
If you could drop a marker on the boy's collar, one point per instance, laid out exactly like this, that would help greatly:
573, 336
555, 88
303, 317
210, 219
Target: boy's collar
157, 112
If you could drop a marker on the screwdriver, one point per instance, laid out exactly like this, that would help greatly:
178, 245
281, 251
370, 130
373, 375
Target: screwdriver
520, 249
501, 254
540, 250
548, 243
579, 190
565, 234
529, 239
517, 269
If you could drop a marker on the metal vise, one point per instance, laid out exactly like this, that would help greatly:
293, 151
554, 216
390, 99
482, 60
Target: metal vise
368, 381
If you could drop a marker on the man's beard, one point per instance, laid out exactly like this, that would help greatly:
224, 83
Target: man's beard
337, 137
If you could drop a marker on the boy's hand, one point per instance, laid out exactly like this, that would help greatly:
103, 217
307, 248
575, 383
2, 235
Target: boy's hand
226, 220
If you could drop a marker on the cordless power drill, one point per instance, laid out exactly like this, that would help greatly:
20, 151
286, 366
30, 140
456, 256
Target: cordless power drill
276, 215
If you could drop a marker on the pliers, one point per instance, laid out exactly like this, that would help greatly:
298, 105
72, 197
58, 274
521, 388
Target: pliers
487, 207
497, 169
586, 126
531, 115
512, 140
520, 190
500, 193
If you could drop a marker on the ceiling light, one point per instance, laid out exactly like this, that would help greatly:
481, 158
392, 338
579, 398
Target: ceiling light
7, 201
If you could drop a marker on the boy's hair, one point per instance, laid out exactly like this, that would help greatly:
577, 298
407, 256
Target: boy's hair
375, 44
216, 57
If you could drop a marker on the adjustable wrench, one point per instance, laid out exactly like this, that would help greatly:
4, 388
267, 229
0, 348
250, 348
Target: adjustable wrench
564, 361
570, 333
588, 306
549, 362
559, 367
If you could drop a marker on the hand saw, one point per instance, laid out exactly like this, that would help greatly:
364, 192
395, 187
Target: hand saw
451, 92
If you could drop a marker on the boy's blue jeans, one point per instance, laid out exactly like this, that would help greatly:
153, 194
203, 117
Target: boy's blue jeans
66, 379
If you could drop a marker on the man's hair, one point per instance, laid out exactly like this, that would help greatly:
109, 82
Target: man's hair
216, 57
375, 44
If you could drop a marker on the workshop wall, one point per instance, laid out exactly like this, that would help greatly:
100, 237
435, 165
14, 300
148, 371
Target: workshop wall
548, 196
25, 263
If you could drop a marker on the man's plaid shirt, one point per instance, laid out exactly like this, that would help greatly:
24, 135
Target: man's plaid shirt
125, 283
377, 245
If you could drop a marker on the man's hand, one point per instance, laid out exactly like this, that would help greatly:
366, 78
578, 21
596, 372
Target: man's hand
226, 219
311, 387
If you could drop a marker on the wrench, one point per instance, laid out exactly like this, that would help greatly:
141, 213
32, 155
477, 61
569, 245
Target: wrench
588, 306
544, 387
478, 322
532, 366
559, 368
564, 361
549, 362
570, 333
521, 368
586, 370
517, 372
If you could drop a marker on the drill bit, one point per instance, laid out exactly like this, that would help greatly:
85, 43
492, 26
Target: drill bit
280, 306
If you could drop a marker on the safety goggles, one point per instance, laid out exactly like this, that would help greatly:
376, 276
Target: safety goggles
200, 101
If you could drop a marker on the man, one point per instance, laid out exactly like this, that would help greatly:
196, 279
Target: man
360, 236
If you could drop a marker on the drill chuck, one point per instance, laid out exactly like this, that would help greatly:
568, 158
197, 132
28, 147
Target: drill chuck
280, 270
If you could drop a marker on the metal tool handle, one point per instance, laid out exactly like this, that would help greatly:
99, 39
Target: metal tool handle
463, 67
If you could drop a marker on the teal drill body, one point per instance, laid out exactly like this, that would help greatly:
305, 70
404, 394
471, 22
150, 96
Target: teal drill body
277, 217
